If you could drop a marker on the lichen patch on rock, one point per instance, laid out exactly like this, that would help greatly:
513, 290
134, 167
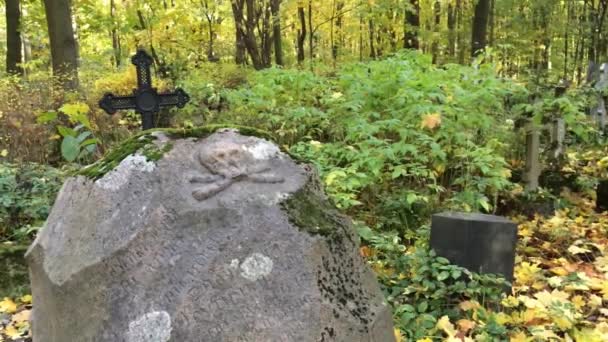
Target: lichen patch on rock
151, 327
263, 150
118, 177
256, 267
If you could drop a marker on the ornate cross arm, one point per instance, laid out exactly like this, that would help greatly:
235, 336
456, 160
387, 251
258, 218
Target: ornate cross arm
110, 103
179, 99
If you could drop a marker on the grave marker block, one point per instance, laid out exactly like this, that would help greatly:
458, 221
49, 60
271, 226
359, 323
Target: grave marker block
481, 243
533, 164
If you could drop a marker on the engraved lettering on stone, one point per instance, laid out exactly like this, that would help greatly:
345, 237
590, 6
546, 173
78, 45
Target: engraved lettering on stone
256, 267
229, 163
152, 327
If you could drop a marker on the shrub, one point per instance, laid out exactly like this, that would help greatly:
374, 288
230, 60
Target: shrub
27, 192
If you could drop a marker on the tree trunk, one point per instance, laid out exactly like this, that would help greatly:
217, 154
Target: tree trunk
602, 44
491, 21
412, 26
211, 57
451, 29
460, 46
64, 52
372, 49
301, 33
337, 41
266, 34
250, 40
566, 38
13, 38
361, 28
240, 46
436, 26
115, 37
248, 14
275, 8
480, 27
311, 47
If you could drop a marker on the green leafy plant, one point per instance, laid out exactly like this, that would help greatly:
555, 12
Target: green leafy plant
423, 287
77, 142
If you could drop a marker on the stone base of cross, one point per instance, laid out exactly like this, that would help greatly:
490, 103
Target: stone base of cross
145, 99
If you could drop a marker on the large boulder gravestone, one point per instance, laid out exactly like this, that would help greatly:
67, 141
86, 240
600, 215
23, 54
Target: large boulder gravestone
215, 238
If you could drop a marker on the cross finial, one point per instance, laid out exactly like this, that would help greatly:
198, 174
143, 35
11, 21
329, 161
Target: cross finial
145, 99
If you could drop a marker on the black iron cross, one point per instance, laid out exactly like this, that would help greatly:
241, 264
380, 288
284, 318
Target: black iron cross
145, 99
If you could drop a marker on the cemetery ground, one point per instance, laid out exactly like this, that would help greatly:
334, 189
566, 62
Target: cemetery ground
394, 141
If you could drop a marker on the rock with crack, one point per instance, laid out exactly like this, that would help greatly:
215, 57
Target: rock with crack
221, 238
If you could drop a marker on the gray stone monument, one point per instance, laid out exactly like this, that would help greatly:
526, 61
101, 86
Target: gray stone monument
599, 113
219, 237
533, 165
480, 243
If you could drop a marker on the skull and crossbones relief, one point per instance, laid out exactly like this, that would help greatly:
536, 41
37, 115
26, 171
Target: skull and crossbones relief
229, 163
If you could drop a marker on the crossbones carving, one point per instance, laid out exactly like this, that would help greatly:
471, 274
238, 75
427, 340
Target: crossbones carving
228, 164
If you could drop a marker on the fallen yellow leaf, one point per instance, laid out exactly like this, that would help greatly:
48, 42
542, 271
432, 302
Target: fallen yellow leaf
8, 306
465, 325
398, 337
444, 324
27, 299
578, 301
469, 305
12, 332
22, 316
519, 337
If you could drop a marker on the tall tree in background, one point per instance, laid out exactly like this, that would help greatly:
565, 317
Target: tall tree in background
459, 34
412, 25
436, 29
452, 15
336, 42
213, 19
253, 19
240, 56
275, 9
13, 38
480, 27
64, 53
301, 32
114, 33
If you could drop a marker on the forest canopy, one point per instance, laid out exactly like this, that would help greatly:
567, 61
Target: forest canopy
549, 38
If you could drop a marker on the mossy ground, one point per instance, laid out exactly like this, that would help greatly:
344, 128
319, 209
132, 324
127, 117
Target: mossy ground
144, 143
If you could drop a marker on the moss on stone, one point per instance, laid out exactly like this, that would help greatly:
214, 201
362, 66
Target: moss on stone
144, 143
204, 131
310, 211
152, 152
